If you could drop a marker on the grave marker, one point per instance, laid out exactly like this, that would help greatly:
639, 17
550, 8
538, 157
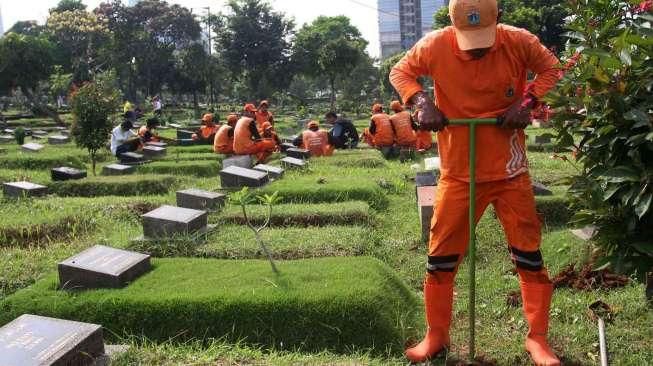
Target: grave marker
184, 134
586, 233
58, 140
237, 177
40, 133
167, 221
298, 153
67, 173
198, 199
425, 204
102, 267
175, 125
118, 169
24, 189
432, 163
406, 154
32, 340
540, 189
543, 139
242, 161
185, 142
156, 143
131, 158
32, 147
426, 178
9, 131
6, 139
273, 171
285, 146
38, 137
152, 152
293, 163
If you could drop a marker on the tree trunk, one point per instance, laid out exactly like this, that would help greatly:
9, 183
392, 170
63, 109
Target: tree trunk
93, 163
196, 103
333, 93
51, 113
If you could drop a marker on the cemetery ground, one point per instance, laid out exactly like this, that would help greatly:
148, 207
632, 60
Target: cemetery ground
347, 242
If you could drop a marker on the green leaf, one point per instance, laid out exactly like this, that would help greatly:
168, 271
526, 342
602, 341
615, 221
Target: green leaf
637, 115
643, 247
644, 205
621, 174
610, 192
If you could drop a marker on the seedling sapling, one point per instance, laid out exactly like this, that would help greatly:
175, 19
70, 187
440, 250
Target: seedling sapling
243, 198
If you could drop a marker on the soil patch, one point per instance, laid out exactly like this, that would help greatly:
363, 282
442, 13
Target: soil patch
588, 279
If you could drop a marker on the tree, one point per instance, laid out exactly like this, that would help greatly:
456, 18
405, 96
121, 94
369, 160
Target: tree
59, 82
254, 42
386, 66
191, 72
92, 105
329, 46
68, 5
25, 61
604, 114
27, 27
362, 87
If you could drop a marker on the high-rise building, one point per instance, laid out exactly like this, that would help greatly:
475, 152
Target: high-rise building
2, 28
404, 22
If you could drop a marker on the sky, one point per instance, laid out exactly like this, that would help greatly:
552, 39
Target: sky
361, 12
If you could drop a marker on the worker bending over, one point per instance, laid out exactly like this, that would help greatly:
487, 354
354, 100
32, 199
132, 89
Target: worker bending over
403, 126
247, 140
380, 128
223, 143
315, 140
479, 69
147, 132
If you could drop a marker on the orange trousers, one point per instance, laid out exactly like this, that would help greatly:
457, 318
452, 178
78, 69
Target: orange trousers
262, 149
514, 203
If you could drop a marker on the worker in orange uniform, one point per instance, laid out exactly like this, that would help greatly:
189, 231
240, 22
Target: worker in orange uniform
381, 128
269, 133
208, 129
480, 68
263, 115
403, 126
315, 140
247, 140
224, 138
147, 132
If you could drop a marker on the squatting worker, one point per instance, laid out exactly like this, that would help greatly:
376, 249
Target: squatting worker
247, 140
343, 134
315, 140
223, 143
480, 70
123, 139
402, 125
269, 133
381, 128
208, 129
147, 132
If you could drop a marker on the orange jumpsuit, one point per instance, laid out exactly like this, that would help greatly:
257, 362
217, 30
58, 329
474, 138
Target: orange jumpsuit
262, 117
224, 140
317, 142
402, 126
381, 130
247, 141
424, 139
146, 135
481, 88
207, 132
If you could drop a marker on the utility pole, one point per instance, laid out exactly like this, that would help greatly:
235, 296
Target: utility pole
208, 32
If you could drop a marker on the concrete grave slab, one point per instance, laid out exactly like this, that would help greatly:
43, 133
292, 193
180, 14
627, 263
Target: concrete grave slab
426, 178
293, 163
39, 137
237, 177
32, 147
406, 154
167, 221
152, 152
39, 133
198, 199
586, 233
242, 161
156, 143
186, 142
184, 134
432, 163
102, 267
24, 189
425, 205
9, 131
67, 173
273, 171
175, 125
32, 340
298, 153
543, 139
118, 169
58, 140
286, 145
132, 158
540, 189
6, 139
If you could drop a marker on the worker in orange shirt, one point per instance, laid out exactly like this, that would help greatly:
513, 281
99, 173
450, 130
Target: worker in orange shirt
147, 133
315, 140
224, 138
381, 128
247, 140
270, 134
263, 115
480, 68
208, 129
402, 125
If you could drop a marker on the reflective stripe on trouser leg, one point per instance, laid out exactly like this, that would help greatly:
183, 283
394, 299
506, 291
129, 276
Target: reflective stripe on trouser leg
530, 261
445, 263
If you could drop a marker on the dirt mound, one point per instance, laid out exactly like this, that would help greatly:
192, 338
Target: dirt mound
588, 279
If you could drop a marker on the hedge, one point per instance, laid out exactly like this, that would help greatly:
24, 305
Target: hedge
554, 210
188, 168
129, 185
336, 304
41, 160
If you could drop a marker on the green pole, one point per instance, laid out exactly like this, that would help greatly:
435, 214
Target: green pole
472, 225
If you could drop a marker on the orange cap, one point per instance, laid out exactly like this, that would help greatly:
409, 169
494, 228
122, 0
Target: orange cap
377, 108
314, 124
207, 118
396, 106
266, 126
249, 107
475, 22
232, 119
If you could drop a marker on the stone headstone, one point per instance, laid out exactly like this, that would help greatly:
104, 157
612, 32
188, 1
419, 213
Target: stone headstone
273, 171
198, 199
167, 221
186, 142
432, 163
58, 140
586, 233
298, 153
242, 161
39, 137
286, 145
293, 163
118, 169
175, 125
9, 131
152, 152
406, 154
540, 189
131, 158
184, 134
6, 139
237, 177
60, 129
31, 147
543, 139
66, 173
24, 189
40, 133
28, 131
425, 204
102, 267
32, 340
156, 143
426, 178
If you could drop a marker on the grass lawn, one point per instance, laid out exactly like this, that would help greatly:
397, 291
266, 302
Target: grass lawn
351, 205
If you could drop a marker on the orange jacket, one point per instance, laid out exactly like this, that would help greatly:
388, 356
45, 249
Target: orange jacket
424, 139
381, 129
483, 88
317, 142
224, 140
402, 125
262, 117
208, 131
245, 135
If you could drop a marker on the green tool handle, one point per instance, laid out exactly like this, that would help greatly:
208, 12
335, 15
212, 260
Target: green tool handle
476, 121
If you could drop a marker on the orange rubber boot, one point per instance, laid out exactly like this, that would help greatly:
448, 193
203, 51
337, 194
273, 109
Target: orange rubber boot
438, 300
537, 301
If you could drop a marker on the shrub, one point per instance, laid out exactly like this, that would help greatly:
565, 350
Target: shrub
19, 135
133, 185
188, 168
37, 161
